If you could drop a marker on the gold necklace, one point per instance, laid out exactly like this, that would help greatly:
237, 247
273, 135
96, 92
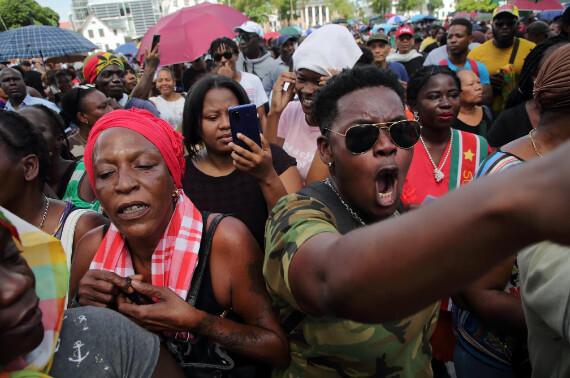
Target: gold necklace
530, 134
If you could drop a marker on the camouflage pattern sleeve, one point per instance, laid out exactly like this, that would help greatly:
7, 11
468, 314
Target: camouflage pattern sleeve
293, 220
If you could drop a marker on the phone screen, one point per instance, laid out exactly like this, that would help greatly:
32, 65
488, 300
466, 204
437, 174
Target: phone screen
155, 40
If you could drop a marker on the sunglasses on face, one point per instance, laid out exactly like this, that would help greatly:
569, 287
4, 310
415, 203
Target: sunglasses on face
362, 137
226, 54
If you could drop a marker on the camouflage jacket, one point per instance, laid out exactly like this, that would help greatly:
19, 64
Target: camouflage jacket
333, 347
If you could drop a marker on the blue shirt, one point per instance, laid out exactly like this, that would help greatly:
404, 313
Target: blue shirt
399, 70
483, 71
29, 101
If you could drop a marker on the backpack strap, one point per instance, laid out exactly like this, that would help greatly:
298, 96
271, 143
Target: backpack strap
514, 51
203, 255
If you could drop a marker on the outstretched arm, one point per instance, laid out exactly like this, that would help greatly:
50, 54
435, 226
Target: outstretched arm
398, 266
144, 86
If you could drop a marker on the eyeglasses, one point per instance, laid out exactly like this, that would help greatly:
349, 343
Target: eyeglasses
361, 137
226, 54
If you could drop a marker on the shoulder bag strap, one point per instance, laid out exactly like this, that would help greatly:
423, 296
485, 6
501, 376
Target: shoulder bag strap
514, 51
68, 233
203, 255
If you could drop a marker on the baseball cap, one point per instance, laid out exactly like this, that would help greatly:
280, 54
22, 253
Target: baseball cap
378, 37
507, 8
284, 38
403, 30
250, 27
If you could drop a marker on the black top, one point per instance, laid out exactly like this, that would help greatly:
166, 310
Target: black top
481, 129
34, 79
413, 65
511, 124
237, 194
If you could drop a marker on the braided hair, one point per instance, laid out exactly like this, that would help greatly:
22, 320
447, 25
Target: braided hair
421, 78
529, 70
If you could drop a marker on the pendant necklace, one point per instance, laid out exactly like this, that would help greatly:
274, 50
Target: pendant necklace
437, 171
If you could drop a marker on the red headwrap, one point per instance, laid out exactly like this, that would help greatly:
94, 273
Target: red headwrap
96, 63
158, 132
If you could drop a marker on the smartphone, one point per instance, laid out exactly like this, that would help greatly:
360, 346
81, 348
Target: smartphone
286, 86
243, 119
155, 40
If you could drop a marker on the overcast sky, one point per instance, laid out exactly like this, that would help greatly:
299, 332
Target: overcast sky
62, 7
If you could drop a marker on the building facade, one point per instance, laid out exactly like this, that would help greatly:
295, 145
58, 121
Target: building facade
132, 17
100, 34
311, 13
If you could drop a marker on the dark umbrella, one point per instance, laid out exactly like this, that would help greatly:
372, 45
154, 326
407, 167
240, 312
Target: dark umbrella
43, 41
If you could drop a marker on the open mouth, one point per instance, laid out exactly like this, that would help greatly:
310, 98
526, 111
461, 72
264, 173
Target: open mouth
133, 210
386, 186
307, 102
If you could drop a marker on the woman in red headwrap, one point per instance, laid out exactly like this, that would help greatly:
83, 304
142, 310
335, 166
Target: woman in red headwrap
157, 249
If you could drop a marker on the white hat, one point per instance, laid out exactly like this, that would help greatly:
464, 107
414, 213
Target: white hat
329, 47
250, 27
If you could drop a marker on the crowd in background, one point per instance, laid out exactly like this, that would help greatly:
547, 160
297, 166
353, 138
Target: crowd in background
331, 247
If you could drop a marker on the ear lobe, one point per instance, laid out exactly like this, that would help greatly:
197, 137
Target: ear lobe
81, 118
31, 165
324, 147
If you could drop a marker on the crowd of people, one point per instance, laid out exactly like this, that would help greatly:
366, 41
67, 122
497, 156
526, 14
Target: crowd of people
140, 237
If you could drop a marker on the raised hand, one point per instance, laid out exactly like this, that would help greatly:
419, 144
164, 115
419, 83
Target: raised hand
257, 161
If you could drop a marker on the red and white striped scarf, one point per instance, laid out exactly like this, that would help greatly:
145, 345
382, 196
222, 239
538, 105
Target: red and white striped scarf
175, 256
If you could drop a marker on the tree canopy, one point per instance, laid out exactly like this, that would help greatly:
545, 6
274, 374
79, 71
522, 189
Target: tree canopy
18, 13
408, 5
476, 5
381, 7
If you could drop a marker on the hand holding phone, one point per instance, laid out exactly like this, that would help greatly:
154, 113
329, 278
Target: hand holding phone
244, 120
137, 297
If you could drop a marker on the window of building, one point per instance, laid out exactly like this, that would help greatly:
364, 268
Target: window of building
91, 34
175, 3
101, 33
115, 31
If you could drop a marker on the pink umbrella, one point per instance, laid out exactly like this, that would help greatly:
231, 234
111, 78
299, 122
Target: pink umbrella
186, 35
538, 5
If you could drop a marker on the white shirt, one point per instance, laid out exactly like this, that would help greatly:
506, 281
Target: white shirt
254, 89
170, 111
29, 101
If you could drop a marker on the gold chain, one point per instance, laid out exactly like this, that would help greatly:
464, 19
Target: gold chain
530, 134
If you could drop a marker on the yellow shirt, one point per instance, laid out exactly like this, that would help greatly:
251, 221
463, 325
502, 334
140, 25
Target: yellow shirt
426, 42
495, 58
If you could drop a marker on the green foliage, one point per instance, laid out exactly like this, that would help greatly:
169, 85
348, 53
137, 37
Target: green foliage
18, 13
256, 10
343, 8
432, 5
381, 7
476, 5
409, 5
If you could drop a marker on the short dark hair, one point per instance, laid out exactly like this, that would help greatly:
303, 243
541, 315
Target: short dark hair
23, 139
193, 107
463, 22
223, 42
26, 63
63, 72
325, 109
366, 58
421, 78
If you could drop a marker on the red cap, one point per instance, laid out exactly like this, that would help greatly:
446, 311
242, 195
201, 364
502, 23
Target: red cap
404, 30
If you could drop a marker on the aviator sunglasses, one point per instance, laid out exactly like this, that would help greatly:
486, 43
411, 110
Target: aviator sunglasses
361, 137
226, 54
